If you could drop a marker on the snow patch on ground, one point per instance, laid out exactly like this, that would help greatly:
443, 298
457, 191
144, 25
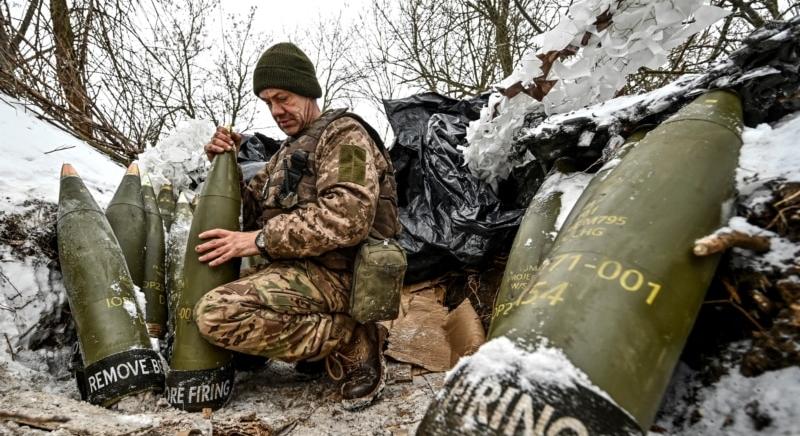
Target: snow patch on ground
728, 407
781, 256
733, 405
769, 153
33, 152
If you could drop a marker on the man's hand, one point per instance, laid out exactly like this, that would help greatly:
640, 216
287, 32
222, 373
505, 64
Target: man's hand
222, 141
224, 245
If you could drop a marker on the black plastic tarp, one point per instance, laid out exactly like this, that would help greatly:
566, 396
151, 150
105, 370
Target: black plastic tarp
450, 218
254, 151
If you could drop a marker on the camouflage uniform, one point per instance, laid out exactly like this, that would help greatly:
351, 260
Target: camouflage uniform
296, 308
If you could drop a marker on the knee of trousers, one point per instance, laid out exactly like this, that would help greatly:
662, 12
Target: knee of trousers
207, 315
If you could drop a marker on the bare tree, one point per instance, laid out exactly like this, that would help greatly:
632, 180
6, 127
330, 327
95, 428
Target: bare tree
232, 102
10, 36
70, 56
333, 54
460, 47
120, 73
382, 79
701, 50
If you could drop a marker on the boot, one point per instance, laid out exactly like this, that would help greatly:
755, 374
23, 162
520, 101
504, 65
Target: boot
360, 366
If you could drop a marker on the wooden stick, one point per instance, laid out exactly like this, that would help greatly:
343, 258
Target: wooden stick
41, 422
63, 147
720, 242
10, 348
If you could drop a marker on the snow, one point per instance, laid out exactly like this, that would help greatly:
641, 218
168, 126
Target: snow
758, 72
570, 186
178, 235
33, 152
607, 112
769, 153
137, 420
741, 225
141, 303
130, 307
571, 191
542, 364
730, 405
776, 392
781, 256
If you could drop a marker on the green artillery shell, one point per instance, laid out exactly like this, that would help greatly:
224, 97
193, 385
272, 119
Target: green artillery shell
117, 355
176, 250
533, 241
618, 293
166, 205
126, 214
202, 375
154, 265
601, 174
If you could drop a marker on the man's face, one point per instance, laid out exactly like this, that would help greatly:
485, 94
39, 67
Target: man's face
292, 112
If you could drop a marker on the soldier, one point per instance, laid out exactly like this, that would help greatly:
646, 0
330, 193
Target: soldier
329, 187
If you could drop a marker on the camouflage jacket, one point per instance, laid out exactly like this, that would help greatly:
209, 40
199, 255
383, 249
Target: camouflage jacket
345, 193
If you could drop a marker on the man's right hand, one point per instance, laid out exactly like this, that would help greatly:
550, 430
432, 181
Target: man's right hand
222, 141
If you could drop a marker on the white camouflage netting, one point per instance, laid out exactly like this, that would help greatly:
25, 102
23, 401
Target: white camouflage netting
641, 35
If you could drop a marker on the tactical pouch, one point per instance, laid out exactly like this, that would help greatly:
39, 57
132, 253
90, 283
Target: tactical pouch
377, 280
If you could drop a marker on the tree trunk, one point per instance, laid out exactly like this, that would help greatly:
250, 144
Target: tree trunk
68, 70
502, 38
10, 39
5, 50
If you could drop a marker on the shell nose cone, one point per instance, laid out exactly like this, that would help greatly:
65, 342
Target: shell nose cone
68, 170
133, 169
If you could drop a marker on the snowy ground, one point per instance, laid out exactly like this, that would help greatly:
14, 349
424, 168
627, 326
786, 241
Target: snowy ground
275, 400
35, 382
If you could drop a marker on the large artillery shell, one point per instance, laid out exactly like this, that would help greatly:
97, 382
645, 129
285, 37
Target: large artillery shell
117, 355
611, 163
201, 374
618, 293
154, 265
176, 252
533, 241
126, 215
166, 205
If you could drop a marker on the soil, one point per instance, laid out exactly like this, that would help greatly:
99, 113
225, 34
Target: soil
32, 231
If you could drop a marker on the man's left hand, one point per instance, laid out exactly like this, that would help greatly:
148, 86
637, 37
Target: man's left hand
224, 245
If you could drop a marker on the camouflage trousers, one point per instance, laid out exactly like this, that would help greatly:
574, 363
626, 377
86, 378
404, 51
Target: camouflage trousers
290, 310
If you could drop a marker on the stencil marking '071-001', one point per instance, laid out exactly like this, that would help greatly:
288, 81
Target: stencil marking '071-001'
632, 280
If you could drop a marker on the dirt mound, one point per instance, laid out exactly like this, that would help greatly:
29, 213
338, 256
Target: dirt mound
31, 232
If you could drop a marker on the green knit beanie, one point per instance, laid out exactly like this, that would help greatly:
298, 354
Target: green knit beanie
285, 66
